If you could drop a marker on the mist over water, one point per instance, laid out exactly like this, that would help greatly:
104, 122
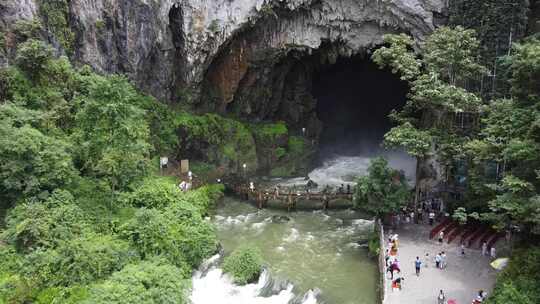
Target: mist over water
354, 98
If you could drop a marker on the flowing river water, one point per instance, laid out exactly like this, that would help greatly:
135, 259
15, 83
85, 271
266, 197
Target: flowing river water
314, 257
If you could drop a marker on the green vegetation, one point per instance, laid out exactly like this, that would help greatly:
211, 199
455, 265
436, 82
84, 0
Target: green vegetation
383, 190
488, 146
244, 264
517, 282
222, 141
55, 15
152, 281
374, 244
497, 23
86, 220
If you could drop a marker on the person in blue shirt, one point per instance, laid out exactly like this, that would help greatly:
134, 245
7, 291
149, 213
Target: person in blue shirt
417, 265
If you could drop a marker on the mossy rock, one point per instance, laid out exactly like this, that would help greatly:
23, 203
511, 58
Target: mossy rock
217, 140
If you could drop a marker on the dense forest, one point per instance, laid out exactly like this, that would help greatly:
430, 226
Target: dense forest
498, 146
87, 218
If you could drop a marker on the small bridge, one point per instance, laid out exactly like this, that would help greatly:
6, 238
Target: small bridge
290, 198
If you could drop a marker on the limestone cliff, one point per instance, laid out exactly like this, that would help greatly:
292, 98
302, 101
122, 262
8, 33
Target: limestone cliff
250, 59
168, 46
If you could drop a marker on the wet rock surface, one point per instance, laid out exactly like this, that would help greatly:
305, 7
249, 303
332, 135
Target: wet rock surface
169, 48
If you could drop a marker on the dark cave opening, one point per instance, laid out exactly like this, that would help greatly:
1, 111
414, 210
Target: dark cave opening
354, 97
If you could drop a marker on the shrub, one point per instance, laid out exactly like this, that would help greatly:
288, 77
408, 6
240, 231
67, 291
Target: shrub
34, 224
204, 198
147, 282
154, 193
244, 264
384, 190
32, 162
78, 261
374, 244
181, 240
518, 281
32, 57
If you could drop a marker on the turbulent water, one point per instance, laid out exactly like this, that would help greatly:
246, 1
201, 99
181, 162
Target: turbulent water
337, 169
313, 258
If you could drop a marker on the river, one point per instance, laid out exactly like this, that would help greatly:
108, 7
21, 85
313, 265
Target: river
313, 258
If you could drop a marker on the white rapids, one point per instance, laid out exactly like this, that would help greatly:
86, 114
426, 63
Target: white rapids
213, 286
339, 170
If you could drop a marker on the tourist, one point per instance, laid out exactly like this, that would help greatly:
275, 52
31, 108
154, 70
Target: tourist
443, 260
438, 260
484, 248
417, 265
462, 250
251, 186
413, 219
182, 186
441, 297
480, 298
431, 218
396, 283
493, 252
441, 237
389, 268
426, 261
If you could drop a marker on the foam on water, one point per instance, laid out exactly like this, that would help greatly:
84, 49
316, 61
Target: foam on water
216, 287
307, 250
339, 170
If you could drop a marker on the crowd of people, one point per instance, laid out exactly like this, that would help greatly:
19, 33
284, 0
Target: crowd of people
439, 261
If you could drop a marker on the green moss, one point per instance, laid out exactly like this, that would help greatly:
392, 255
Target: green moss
269, 130
283, 171
280, 152
27, 29
100, 25
226, 142
55, 14
201, 168
296, 145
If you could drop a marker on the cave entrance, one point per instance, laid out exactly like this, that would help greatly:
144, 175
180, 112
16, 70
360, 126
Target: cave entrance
354, 97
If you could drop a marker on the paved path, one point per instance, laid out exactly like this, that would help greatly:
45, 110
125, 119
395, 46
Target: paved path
461, 280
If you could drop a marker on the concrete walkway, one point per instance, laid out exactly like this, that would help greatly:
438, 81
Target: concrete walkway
460, 281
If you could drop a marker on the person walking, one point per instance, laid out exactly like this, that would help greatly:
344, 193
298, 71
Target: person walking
441, 237
462, 250
484, 248
417, 266
441, 297
438, 260
431, 217
443, 260
493, 252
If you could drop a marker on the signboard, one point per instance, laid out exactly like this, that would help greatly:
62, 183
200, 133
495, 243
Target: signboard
184, 166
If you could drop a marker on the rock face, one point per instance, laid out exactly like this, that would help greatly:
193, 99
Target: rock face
174, 48
10, 12
250, 59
